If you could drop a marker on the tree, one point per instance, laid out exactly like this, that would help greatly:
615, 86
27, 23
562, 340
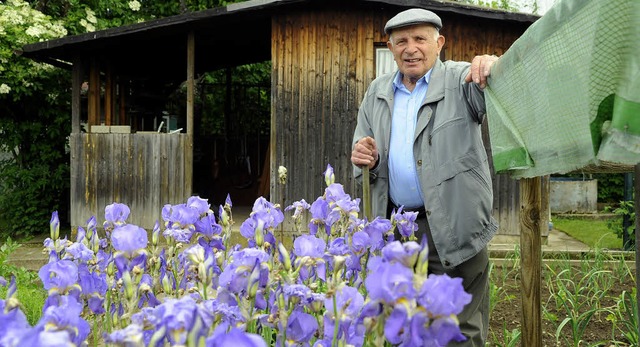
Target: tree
35, 108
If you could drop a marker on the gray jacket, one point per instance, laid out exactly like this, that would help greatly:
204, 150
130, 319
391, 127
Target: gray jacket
450, 158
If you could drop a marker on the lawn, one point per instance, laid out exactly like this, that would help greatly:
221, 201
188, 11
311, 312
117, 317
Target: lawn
591, 231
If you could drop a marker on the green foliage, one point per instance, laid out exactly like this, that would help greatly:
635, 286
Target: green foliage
625, 208
34, 123
625, 317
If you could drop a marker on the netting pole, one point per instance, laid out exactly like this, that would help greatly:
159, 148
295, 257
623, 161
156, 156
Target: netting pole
636, 206
531, 260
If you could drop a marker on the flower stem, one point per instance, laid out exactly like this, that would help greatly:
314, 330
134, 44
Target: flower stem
335, 321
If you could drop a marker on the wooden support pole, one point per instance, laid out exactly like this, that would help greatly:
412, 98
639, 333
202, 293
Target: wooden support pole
108, 95
531, 254
123, 89
191, 58
94, 94
636, 201
77, 77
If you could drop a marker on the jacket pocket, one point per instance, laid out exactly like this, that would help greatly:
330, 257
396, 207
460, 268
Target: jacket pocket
476, 174
450, 122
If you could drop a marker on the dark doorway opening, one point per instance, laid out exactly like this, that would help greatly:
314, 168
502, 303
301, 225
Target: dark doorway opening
231, 138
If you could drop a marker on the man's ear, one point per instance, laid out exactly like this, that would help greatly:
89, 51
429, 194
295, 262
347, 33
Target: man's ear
440, 42
390, 45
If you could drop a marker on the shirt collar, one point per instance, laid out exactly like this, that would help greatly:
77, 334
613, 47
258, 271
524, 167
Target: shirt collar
397, 81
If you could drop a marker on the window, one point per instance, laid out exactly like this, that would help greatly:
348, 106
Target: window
384, 60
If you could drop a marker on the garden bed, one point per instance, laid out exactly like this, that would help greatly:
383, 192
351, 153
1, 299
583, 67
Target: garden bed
584, 295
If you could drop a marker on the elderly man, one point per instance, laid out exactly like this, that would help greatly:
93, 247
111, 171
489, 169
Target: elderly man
419, 133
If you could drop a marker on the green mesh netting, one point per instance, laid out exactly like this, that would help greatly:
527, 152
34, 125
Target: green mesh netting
567, 93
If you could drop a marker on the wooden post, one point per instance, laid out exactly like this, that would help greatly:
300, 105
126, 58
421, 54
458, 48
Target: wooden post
108, 95
77, 76
531, 254
94, 94
366, 192
191, 58
636, 204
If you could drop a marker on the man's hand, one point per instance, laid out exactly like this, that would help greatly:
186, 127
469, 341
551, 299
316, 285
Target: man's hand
480, 69
365, 152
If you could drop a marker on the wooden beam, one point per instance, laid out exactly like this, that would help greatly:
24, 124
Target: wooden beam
77, 77
190, 80
531, 254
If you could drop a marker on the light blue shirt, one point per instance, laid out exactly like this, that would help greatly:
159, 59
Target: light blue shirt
404, 185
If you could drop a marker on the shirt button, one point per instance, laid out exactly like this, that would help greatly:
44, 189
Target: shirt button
419, 162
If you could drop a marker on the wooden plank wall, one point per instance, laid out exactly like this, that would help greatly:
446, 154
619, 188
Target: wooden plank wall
144, 171
322, 63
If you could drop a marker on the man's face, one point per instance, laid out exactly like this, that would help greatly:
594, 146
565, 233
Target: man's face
415, 49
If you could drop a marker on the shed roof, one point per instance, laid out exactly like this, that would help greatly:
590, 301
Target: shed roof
232, 35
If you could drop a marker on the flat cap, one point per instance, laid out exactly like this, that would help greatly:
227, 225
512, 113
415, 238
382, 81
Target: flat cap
412, 17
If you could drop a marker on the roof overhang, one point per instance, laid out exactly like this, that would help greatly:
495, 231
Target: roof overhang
233, 35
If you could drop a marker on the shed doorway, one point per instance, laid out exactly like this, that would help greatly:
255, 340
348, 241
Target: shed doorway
231, 136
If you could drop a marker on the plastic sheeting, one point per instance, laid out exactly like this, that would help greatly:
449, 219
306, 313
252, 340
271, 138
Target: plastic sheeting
567, 93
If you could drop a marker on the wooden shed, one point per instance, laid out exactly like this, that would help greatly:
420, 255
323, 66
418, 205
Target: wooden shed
323, 56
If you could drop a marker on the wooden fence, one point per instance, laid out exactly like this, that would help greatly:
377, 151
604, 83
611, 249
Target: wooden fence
143, 170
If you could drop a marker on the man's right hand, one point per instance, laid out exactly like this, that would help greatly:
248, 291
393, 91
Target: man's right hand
365, 152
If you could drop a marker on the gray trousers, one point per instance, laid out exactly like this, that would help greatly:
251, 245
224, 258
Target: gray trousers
474, 319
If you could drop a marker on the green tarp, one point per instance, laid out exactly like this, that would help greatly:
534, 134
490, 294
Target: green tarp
566, 95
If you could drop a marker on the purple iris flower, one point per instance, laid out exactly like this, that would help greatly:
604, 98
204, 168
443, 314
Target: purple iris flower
274, 216
349, 303
348, 300
257, 222
13, 324
319, 212
59, 276
442, 295
406, 222
394, 326
297, 208
301, 327
389, 282
359, 242
66, 316
199, 204
309, 246
207, 226
178, 316
376, 230
179, 216
38, 336
54, 225
129, 238
403, 253
299, 291
329, 176
213, 309
116, 214
338, 246
80, 234
79, 251
235, 276
441, 331
130, 336
94, 287
234, 338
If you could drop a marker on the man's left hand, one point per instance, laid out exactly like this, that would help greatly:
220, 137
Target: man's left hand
481, 69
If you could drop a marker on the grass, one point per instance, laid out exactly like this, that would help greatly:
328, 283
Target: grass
590, 231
